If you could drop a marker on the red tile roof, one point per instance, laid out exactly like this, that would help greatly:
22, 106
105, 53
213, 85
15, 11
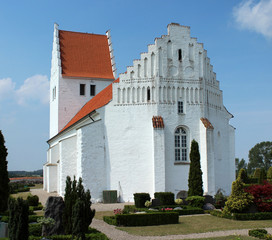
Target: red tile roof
98, 101
157, 122
206, 123
85, 55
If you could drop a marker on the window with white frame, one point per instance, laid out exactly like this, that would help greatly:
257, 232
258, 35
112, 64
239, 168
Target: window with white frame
180, 145
180, 107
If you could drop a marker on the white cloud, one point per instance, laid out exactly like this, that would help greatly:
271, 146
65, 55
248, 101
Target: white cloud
255, 16
35, 88
6, 88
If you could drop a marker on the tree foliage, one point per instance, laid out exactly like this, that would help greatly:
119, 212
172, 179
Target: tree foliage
243, 175
18, 219
77, 214
269, 174
4, 179
195, 182
260, 156
239, 200
240, 164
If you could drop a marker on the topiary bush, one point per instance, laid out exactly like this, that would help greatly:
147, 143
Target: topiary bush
33, 200
166, 198
35, 229
269, 174
239, 200
258, 233
243, 175
196, 201
220, 199
140, 199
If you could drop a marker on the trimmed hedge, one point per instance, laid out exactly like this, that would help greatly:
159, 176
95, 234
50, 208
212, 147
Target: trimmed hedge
90, 236
147, 219
196, 201
258, 233
35, 229
140, 199
31, 218
35, 208
33, 200
166, 198
244, 216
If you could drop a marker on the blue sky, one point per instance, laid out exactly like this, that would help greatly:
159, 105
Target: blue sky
237, 35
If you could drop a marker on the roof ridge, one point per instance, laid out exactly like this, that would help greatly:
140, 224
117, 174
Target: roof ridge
84, 33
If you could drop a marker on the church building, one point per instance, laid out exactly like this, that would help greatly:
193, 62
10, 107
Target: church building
133, 133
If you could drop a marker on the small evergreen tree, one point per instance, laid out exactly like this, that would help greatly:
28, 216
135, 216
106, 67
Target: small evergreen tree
195, 182
262, 176
4, 179
257, 173
77, 202
243, 175
269, 174
239, 200
18, 219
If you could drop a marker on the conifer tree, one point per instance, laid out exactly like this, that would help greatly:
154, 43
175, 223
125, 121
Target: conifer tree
195, 182
4, 179
243, 175
18, 219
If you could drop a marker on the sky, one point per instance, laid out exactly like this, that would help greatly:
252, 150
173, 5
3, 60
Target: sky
237, 35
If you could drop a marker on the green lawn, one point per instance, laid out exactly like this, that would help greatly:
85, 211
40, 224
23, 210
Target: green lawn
226, 238
196, 224
99, 215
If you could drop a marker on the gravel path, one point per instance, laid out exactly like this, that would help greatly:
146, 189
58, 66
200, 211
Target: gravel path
115, 234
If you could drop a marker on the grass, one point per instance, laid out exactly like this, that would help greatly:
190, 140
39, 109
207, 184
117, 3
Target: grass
99, 215
226, 238
23, 195
37, 186
196, 224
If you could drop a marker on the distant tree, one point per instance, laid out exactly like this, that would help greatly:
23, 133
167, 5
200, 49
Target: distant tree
4, 179
18, 219
239, 165
260, 156
195, 182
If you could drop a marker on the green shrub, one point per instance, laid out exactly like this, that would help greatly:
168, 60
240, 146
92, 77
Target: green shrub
36, 208
243, 216
90, 236
190, 211
258, 233
140, 199
252, 180
166, 198
110, 220
147, 219
148, 204
196, 201
33, 200
33, 218
243, 175
269, 174
26, 189
18, 216
268, 237
129, 209
178, 201
35, 229
220, 199
239, 200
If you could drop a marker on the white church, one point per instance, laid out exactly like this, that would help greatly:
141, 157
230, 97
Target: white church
133, 133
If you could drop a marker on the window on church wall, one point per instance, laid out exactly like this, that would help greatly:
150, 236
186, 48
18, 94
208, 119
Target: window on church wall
181, 145
82, 89
92, 90
148, 94
179, 55
180, 107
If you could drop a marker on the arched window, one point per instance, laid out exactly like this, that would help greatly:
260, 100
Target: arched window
180, 145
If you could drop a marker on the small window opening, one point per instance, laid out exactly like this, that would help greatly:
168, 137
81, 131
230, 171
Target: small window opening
82, 89
148, 94
179, 55
180, 107
92, 90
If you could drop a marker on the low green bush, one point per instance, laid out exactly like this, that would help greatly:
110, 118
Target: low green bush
36, 208
196, 201
26, 189
147, 219
243, 216
35, 229
33, 200
140, 199
258, 233
90, 236
110, 220
129, 209
166, 198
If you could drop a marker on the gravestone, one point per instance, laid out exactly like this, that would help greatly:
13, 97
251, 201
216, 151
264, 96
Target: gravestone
54, 209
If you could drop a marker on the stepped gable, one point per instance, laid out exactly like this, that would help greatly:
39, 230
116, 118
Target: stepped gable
98, 101
85, 55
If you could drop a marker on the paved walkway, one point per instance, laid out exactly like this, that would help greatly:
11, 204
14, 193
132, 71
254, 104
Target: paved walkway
115, 234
